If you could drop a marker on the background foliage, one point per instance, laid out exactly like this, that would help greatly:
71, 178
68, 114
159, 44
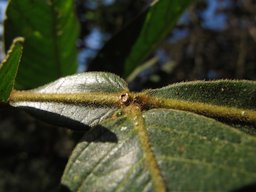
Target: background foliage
33, 151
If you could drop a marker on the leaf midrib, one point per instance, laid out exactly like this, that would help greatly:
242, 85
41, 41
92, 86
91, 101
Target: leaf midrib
135, 113
142, 99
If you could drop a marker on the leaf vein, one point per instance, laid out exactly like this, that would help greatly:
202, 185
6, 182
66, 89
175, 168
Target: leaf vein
208, 164
104, 158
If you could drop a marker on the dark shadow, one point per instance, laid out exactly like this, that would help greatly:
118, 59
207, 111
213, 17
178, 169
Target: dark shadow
95, 134
64, 188
112, 56
247, 188
100, 134
56, 119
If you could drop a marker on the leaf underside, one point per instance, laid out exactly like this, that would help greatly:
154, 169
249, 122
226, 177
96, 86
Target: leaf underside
140, 143
68, 114
50, 29
240, 94
193, 153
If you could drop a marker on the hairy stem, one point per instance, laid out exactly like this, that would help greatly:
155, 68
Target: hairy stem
209, 110
90, 98
134, 111
141, 99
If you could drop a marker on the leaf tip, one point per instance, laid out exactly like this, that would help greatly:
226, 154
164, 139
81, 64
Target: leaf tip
9, 68
19, 40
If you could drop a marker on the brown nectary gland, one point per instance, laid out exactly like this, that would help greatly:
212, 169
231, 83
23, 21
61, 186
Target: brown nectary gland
125, 99
138, 99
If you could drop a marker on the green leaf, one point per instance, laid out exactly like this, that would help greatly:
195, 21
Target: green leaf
76, 110
9, 68
150, 141
51, 30
233, 100
193, 153
140, 37
161, 18
230, 93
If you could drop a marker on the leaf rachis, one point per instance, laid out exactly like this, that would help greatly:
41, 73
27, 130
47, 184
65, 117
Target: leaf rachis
143, 100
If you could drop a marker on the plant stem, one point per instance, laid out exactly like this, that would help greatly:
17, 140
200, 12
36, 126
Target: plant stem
209, 110
82, 98
141, 99
135, 113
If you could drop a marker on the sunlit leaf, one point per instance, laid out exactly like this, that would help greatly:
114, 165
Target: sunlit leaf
50, 29
9, 68
128, 49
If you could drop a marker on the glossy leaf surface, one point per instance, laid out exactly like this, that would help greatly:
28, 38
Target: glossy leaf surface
9, 68
194, 153
74, 111
50, 29
150, 141
140, 37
